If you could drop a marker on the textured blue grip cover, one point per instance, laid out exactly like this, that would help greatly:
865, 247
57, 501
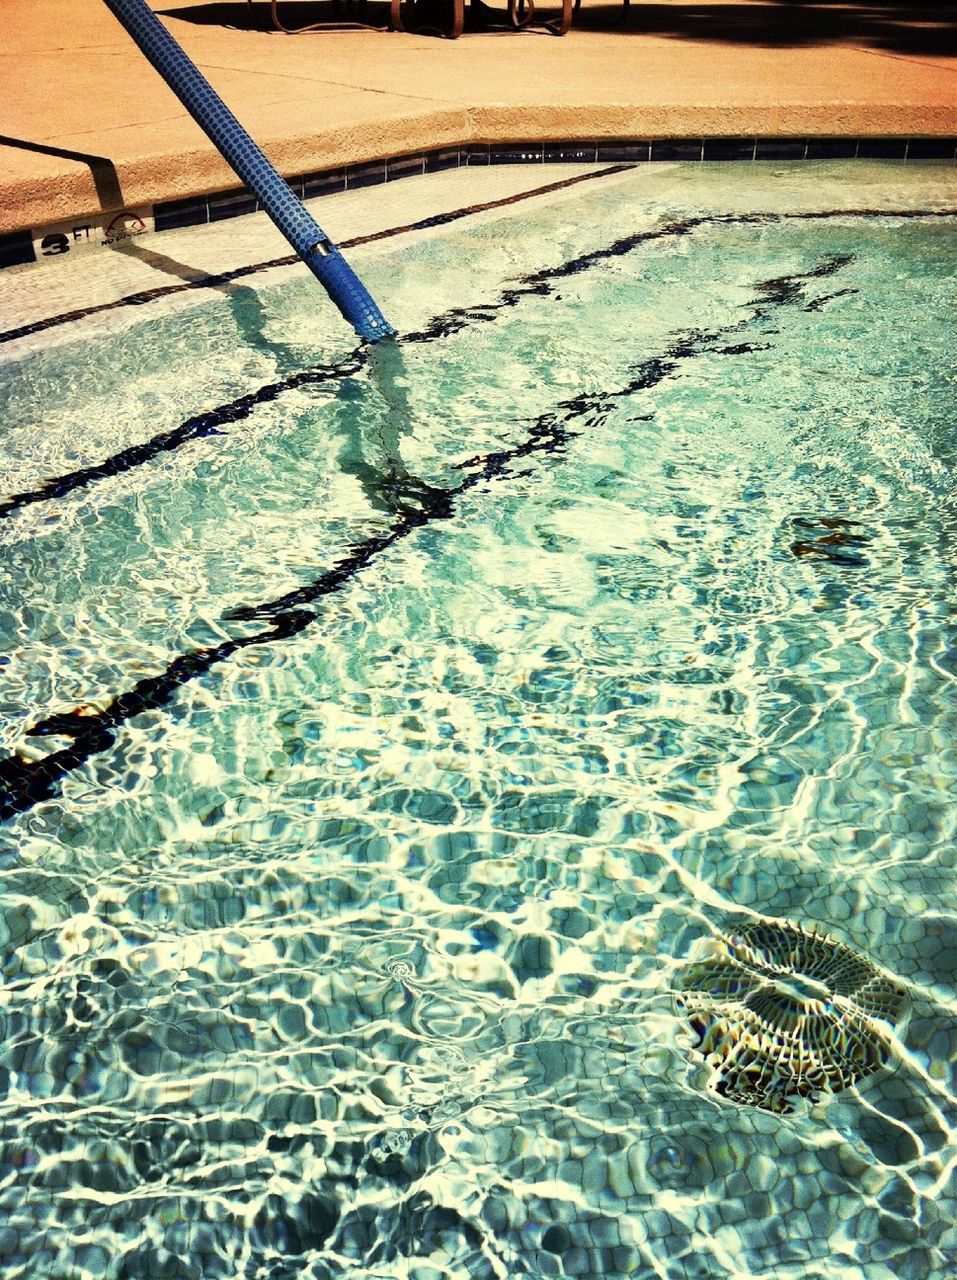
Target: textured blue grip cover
237, 147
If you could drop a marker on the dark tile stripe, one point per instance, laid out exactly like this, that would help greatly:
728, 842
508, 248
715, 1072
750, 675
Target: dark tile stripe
231, 204
365, 175
144, 296
536, 284
171, 214
441, 219
16, 247
404, 167
882, 149
323, 184
237, 273
780, 149
25, 783
571, 153
678, 149
831, 149
516, 153
196, 428
437, 161
932, 149
632, 152
729, 148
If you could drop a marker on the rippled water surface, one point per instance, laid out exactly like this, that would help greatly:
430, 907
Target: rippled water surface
382, 756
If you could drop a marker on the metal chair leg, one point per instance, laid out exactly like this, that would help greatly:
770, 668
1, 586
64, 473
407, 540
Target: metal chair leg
558, 26
521, 13
316, 26
452, 31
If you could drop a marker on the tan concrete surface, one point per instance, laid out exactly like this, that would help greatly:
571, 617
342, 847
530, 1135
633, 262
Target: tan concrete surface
72, 82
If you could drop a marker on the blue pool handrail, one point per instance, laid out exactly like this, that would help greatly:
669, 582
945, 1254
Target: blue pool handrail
243, 155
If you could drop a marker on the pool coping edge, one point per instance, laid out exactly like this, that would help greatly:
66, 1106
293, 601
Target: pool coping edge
54, 237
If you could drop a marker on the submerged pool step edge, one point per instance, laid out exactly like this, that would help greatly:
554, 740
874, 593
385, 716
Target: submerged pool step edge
107, 227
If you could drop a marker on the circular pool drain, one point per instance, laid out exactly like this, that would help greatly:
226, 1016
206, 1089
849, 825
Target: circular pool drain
782, 1012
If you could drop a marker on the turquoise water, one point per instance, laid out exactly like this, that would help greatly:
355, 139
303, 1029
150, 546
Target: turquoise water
415, 737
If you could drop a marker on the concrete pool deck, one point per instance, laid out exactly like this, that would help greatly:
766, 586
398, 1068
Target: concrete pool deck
89, 126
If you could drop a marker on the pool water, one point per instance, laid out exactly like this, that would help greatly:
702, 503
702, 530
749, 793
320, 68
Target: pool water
383, 750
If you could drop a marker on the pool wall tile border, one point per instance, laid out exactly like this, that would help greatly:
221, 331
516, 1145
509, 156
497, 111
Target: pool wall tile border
180, 213
831, 149
404, 167
931, 149
623, 152
18, 248
729, 149
439, 161
882, 149
476, 153
570, 152
782, 149
366, 175
329, 183
678, 149
516, 153
231, 204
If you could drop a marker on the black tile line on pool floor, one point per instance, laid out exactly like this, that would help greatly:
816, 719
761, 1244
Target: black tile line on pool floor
217, 280
25, 783
210, 422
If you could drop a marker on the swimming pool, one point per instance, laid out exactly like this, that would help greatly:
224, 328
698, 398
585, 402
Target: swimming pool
408, 755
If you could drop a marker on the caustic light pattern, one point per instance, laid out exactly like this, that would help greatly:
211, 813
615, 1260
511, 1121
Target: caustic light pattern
784, 1012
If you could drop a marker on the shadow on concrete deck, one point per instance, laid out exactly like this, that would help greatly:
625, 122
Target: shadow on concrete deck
240, 16
890, 25
105, 179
